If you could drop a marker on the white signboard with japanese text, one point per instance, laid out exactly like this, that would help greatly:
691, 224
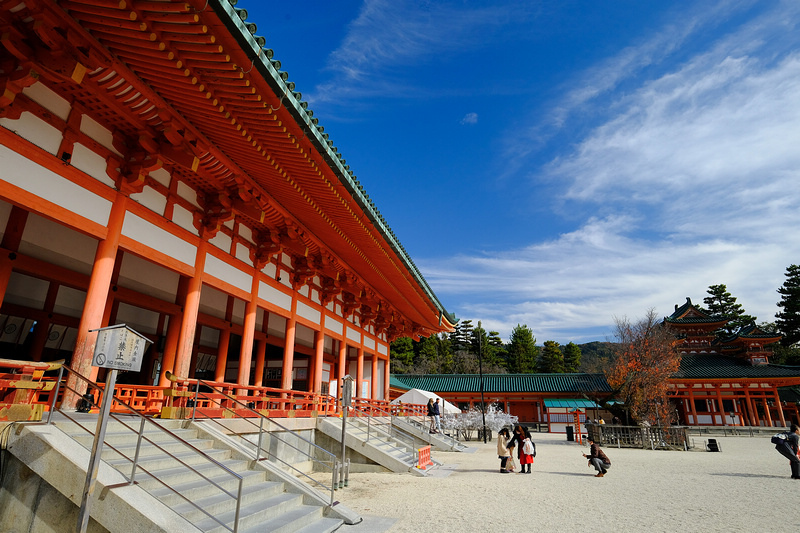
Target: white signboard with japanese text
119, 347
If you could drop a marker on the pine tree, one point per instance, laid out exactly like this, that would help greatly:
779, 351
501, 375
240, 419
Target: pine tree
522, 351
551, 360
572, 357
788, 319
721, 303
402, 355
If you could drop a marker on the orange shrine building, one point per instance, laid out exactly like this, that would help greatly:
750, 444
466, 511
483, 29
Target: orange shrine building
729, 382
159, 170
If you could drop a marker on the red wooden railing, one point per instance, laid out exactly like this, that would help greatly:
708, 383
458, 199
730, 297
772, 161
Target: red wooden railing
23, 384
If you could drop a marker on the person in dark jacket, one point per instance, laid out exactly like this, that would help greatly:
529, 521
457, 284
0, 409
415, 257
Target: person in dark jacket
788, 448
430, 415
437, 418
598, 459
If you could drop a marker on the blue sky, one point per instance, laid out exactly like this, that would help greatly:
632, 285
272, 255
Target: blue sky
559, 164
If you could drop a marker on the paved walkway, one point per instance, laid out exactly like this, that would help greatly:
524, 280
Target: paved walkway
744, 488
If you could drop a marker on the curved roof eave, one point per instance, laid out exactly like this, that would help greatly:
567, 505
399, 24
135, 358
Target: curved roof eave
262, 63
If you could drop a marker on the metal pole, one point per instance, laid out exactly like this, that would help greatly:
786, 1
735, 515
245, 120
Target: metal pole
97, 447
480, 371
346, 389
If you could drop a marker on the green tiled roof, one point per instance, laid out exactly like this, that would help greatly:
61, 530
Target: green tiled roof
715, 366
571, 404
569, 383
703, 318
789, 394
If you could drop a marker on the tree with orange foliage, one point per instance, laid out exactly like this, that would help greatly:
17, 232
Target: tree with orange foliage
645, 359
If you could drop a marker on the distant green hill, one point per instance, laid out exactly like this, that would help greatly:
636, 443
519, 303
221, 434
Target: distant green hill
596, 356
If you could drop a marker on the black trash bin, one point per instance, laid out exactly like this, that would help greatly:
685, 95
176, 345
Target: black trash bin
570, 433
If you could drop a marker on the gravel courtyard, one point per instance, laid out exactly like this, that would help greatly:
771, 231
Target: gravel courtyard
746, 487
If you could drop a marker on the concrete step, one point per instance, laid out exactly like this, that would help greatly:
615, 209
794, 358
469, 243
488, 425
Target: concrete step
219, 502
250, 514
196, 490
323, 525
162, 461
290, 521
179, 474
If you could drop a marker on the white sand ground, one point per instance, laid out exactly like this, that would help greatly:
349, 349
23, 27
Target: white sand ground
745, 488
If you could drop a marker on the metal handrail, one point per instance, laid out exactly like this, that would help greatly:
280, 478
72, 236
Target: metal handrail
143, 421
394, 432
332, 462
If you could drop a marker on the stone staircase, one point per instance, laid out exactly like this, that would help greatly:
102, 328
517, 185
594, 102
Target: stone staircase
372, 439
198, 478
418, 427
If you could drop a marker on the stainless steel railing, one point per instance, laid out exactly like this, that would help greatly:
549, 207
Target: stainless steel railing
63, 387
320, 457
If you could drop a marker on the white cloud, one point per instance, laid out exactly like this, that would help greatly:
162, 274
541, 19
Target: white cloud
470, 118
692, 180
390, 37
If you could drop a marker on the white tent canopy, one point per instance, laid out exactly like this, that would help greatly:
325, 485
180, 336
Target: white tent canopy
419, 396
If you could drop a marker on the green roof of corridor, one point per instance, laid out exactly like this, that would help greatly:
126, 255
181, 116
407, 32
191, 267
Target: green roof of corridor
492, 383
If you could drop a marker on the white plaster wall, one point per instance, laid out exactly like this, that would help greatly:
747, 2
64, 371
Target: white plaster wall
90, 163
35, 130
183, 219
274, 296
276, 326
238, 312
188, 194
304, 336
162, 176
57, 244
308, 312
141, 320
383, 349
334, 325
381, 380
354, 335
151, 199
243, 253
39, 93
227, 273
158, 239
148, 278
94, 130
221, 241
26, 291
369, 343
69, 301
213, 302
27, 175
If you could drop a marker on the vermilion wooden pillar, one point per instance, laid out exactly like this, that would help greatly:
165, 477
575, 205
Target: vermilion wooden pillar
360, 372
342, 362
249, 334
99, 284
319, 356
222, 354
386, 370
261, 353
780, 407
173, 334
191, 308
373, 392
288, 353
